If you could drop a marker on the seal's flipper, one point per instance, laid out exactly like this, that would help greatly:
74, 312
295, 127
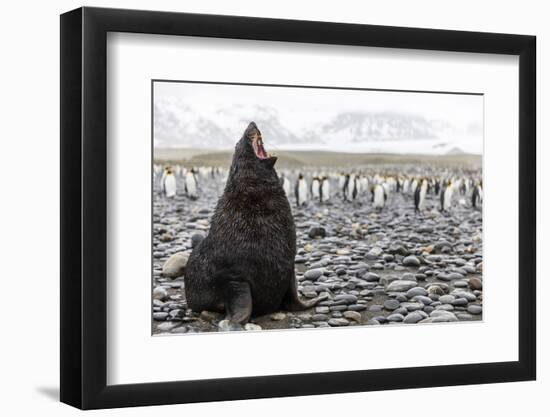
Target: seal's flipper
238, 301
292, 301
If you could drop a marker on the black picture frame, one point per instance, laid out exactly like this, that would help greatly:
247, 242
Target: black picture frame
84, 207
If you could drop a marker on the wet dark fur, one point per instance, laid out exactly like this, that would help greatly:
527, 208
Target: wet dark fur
246, 263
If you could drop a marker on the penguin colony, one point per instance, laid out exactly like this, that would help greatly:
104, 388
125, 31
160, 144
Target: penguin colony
342, 215
430, 189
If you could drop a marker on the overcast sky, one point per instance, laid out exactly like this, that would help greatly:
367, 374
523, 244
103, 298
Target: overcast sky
180, 105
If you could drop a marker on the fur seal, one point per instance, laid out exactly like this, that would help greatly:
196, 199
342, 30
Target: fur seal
245, 265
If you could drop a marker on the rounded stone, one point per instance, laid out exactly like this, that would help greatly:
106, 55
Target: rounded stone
160, 316
422, 299
353, 315
338, 322
166, 326
460, 302
391, 304
346, 298
371, 277
474, 309
180, 330
313, 274
413, 317
435, 290
438, 316
412, 306
416, 291
357, 307
411, 260
395, 317
160, 293
475, 283
174, 267
400, 286
446, 299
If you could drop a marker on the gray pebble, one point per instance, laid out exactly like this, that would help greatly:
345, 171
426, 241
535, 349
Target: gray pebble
475, 309
160, 316
416, 291
313, 274
400, 286
391, 304
413, 317
338, 322
411, 261
353, 315
395, 317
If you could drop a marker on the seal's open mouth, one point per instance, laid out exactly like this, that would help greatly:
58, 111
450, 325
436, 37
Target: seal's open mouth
258, 145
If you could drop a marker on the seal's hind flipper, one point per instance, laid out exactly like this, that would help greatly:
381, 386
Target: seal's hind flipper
292, 301
238, 301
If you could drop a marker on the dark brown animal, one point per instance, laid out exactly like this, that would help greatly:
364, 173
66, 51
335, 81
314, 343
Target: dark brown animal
245, 266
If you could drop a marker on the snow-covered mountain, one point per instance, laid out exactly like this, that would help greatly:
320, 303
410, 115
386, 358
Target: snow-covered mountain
181, 126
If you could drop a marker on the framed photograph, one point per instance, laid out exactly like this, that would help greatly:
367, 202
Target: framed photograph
257, 208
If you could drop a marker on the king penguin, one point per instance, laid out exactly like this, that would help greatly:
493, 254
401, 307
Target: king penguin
378, 196
300, 190
286, 185
364, 183
355, 187
436, 187
420, 195
315, 188
191, 184
414, 186
169, 183
341, 181
405, 187
325, 190
447, 196
477, 195
462, 187
346, 188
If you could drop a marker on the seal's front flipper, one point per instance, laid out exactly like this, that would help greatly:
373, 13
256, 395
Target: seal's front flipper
292, 301
238, 301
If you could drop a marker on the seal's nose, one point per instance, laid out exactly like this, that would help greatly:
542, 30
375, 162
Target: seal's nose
251, 129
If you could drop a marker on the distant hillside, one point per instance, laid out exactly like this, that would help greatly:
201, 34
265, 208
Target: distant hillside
455, 151
346, 131
296, 159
